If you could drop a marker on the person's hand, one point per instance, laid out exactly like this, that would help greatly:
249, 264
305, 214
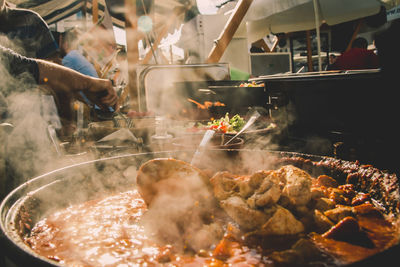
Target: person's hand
102, 93
63, 79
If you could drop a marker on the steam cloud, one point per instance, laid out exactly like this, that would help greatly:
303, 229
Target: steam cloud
180, 213
26, 150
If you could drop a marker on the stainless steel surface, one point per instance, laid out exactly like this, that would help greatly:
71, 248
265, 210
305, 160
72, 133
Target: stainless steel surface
156, 80
206, 138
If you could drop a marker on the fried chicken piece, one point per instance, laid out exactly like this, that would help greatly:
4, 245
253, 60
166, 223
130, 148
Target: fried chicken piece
242, 214
324, 204
322, 222
282, 222
268, 193
224, 184
298, 185
339, 213
327, 181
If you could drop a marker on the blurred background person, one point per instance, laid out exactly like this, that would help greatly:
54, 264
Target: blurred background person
72, 57
357, 57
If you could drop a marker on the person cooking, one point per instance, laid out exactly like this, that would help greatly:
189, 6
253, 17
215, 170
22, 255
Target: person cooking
53, 77
59, 78
28, 149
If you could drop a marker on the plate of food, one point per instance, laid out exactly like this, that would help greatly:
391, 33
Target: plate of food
231, 125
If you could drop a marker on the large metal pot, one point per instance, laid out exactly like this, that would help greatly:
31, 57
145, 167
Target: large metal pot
78, 183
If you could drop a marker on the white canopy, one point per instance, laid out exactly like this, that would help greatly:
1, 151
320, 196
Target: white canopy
276, 16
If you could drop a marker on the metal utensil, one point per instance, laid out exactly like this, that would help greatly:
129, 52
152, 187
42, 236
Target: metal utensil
6, 127
250, 122
53, 137
206, 138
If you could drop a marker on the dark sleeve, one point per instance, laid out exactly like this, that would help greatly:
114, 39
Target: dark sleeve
17, 64
38, 32
48, 45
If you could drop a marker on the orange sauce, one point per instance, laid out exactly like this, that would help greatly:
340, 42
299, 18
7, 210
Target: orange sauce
106, 232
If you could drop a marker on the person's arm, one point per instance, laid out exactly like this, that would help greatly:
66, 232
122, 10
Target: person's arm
62, 78
17, 64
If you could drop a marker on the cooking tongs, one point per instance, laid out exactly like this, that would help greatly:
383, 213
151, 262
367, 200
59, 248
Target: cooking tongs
250, 122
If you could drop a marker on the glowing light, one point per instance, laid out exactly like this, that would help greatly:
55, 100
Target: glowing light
76, 106
207, 6
145, 24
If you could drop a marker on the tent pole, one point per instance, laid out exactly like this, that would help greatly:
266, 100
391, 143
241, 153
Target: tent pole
309, 52
95, 12
132, 40
316, 12
229, 30
84, 13
355, 33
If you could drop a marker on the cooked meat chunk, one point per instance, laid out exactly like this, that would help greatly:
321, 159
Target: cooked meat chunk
224, 184
360, 198
298, 255
339, 213
241, 213
318, 192
324, 204
339, 196
322, 222
287, 257
282, 223
307, 249
349, 230
257, 178
367, 209
245, 189
268, 193
348, 189
345, 227
327, 181
298, 185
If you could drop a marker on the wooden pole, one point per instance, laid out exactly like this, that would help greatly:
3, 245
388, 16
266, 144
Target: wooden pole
355, 33
132, 40
84, 14
95, 12
229, 30
309, 52
171, 55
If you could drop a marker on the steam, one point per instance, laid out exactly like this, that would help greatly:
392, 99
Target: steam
181, 213
27, 149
